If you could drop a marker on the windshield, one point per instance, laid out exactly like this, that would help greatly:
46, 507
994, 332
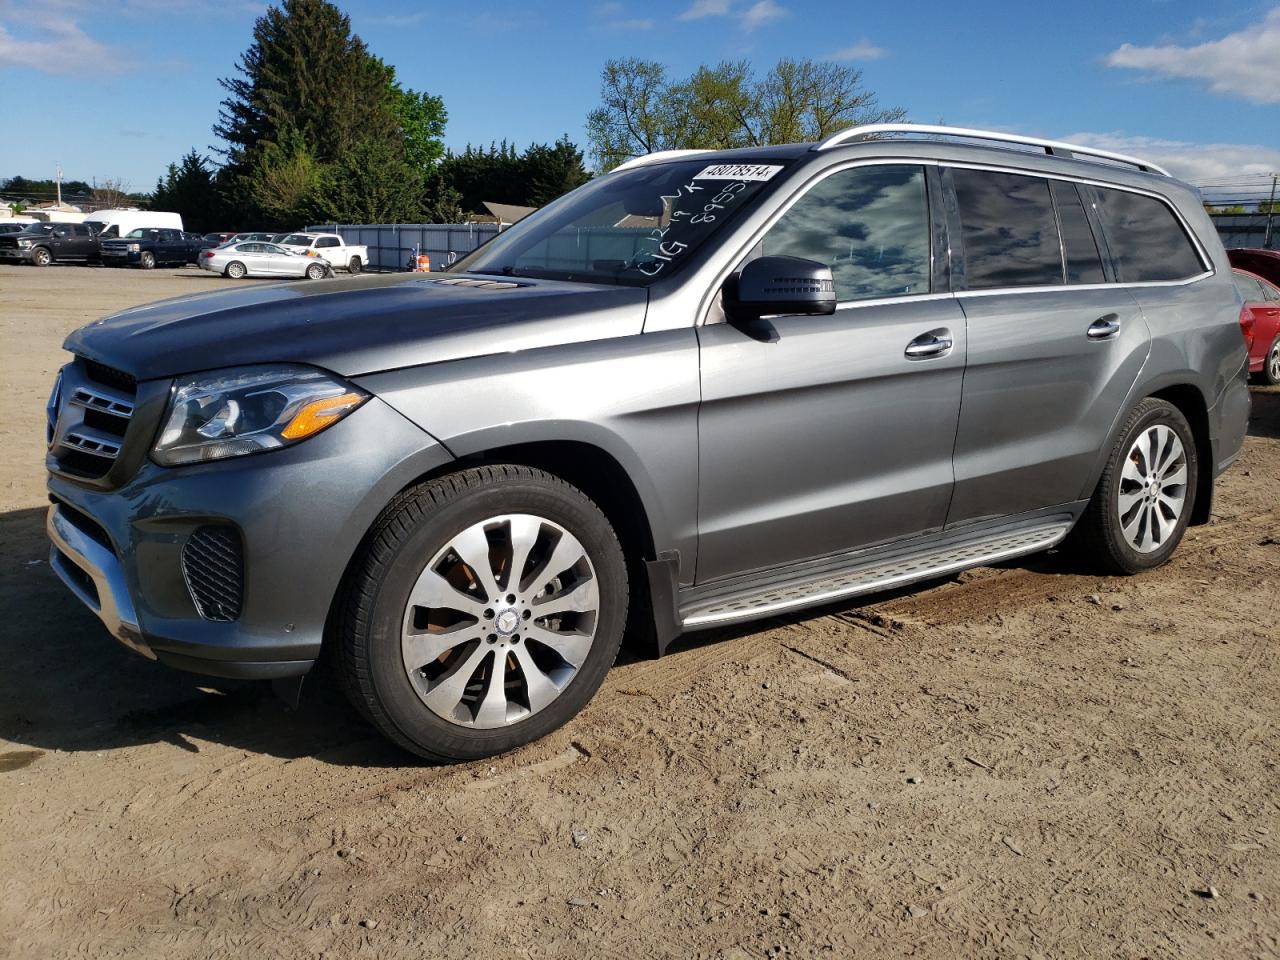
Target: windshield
298, 240
631, 227
137, 234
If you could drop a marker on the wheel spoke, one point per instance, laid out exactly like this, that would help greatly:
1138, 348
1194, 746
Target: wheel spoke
584, 598
1133, 529
524, 531
422, 648
1132, 472
436, 593
493, 704
1162, 526
1178, 478
473, 547
1172, 450
539, 687
573, 647
446, 693
566, 553
1127, 500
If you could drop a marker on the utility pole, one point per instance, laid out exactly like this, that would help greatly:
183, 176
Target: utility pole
1271, 211
58, 180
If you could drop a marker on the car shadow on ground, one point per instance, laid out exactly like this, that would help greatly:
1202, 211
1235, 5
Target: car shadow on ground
1264, 421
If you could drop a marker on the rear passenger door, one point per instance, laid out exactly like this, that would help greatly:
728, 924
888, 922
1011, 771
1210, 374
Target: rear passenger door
1054, 348
828, 434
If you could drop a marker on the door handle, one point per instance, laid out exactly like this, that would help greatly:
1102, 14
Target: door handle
935, 343
1104, 328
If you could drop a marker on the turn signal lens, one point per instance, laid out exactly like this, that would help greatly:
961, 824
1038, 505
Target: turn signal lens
318, 414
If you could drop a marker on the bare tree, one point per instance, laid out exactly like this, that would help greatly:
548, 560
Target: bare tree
725, 106
111, 192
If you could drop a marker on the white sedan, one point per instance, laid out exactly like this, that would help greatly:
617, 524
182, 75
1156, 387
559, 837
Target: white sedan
258, 259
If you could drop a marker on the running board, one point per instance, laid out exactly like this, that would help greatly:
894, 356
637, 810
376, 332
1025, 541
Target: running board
870, 576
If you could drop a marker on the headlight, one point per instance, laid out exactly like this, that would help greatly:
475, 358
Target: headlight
228, 413
24, 244
134, 248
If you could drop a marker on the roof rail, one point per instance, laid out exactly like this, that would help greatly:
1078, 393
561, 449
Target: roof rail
1053, 147
654, 157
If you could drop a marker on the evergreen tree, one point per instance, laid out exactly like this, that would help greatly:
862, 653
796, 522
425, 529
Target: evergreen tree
191, 189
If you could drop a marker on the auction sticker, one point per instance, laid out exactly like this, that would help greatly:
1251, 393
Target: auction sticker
739, 171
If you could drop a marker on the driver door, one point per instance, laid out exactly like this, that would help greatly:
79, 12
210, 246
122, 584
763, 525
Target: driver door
825, 436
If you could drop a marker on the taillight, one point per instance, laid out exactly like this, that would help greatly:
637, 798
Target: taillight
1246, 326
207, 253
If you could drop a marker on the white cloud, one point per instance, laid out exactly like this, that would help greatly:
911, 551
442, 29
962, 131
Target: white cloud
705, 8
1194, 162
611, 17
1244, 64
55, 45
862, 50
760, 13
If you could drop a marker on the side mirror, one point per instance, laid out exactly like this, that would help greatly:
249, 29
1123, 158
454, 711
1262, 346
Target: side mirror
781, 285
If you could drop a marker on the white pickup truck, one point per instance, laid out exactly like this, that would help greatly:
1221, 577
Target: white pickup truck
331, 247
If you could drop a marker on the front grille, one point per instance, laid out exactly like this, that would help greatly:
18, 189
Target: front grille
88, 416
213, 566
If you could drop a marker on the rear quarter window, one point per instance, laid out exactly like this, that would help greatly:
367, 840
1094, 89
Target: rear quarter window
1147, 241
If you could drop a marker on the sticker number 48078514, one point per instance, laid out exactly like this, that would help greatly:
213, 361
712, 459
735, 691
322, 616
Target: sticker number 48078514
738, 171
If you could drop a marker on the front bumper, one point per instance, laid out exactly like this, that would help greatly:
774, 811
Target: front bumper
14, 253
300, 514
121, 256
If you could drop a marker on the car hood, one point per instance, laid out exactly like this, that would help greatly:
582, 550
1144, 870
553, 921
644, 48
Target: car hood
358, 325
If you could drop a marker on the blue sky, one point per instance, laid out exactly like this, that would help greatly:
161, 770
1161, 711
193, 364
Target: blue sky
121, 89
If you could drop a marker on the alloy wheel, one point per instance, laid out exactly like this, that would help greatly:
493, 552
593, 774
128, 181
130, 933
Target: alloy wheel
1153, 488
500, 621
1273, 362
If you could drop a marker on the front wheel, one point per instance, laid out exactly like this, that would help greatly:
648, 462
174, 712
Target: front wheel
315, 272
354, 265
41, 257
1142, 504
1271, 364
147, 261
484, 613
236, 270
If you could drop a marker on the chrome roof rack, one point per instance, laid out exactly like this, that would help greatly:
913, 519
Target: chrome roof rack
654, 157
1053, 147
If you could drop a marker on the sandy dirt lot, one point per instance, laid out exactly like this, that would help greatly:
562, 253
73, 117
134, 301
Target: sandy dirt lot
1026, 761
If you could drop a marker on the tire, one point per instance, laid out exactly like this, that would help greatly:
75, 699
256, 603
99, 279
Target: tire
381, 635
315, 272
1270, 373
147, 260
41, 257
1135, 519
354, 265
235, 270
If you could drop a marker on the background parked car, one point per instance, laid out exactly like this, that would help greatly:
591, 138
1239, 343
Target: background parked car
45, 243
257, 259
150, 247
1262, 325
255, 237
217, 238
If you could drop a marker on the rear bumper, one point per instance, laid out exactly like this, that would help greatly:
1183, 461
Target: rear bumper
299, 514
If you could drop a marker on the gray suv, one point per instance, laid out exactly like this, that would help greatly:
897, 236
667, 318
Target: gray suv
701, 389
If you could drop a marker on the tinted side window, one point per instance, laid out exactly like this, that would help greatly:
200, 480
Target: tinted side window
1009, 230
1079, 246
1146, 239
1249, 289
870, 224
327, 242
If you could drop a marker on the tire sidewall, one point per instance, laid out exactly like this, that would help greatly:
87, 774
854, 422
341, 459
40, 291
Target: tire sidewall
1267, 378
1159, 412
391, 685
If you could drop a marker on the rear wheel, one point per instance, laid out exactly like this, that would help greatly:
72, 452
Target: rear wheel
484, 613
41, 256
1142, 504
1271, 364
236, 270
354, 265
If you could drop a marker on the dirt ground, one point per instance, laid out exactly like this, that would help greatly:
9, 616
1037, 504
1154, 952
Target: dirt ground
1026, 761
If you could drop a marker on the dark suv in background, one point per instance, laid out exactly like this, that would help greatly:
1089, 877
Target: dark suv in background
149, 247
701, 389
44, 243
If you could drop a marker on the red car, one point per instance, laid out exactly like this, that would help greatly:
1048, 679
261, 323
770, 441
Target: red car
1261, 324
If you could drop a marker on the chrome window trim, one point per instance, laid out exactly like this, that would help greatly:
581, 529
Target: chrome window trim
709, 299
